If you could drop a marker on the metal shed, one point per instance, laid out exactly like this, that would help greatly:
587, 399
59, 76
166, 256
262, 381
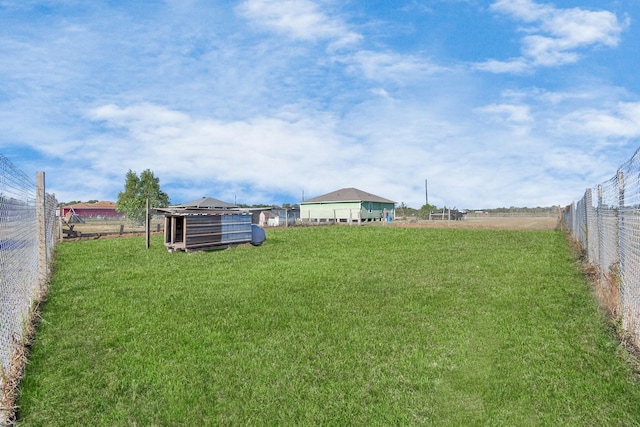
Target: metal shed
195, 228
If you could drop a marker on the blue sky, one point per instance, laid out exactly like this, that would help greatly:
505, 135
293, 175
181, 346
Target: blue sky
496, 103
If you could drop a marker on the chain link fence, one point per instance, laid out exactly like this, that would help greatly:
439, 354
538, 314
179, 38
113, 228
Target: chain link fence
27, 241
606, 222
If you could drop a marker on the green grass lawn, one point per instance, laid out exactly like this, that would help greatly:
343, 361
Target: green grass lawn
328, 325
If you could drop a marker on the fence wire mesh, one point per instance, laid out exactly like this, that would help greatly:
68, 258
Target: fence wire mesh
22, 252
606, 221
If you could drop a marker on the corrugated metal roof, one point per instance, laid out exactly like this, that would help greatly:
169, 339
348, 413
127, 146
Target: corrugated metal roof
173, 211
348, 195
206, 203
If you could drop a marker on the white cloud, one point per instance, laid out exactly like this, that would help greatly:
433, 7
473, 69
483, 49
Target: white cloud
389, 66
511, 113
593, 114
383, 145
547, 51
254, 151
569, 28
619, 121
572, 162
146, 114
416, 7
381, 92
299, 19
554, 98
554, 36
516, 66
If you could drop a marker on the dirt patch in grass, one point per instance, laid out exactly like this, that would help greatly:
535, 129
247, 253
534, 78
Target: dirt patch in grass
498, 223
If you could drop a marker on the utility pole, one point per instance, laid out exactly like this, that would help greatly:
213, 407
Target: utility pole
426, 192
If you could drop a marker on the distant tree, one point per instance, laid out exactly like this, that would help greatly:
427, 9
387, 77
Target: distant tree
425, 210
403, 210
133, 200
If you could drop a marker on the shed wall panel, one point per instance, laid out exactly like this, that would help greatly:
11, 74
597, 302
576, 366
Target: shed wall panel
202, 231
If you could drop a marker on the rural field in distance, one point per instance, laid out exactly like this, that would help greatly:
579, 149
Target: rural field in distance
92, 227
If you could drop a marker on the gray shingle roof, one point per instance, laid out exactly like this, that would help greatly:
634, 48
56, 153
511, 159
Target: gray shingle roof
206, 203
348, 195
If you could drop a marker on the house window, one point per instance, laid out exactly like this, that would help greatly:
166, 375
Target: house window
370, 207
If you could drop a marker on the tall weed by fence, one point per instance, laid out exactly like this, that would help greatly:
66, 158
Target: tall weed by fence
27, 240
606, 221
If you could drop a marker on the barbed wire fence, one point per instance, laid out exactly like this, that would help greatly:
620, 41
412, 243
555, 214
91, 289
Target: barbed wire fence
606, 222
27, 241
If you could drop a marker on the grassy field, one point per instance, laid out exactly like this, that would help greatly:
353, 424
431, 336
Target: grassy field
328, 325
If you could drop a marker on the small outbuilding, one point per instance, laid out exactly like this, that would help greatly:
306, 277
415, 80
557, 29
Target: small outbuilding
206, 224
279, 217
269, 218
347, 205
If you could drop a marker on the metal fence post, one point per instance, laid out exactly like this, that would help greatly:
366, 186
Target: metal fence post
600, 226
621, 224
41, 228
574, 218
588, 202
147, 224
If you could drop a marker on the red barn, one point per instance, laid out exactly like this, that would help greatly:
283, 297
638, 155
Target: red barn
92, 210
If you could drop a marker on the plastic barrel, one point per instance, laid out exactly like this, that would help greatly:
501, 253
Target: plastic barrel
257, 235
